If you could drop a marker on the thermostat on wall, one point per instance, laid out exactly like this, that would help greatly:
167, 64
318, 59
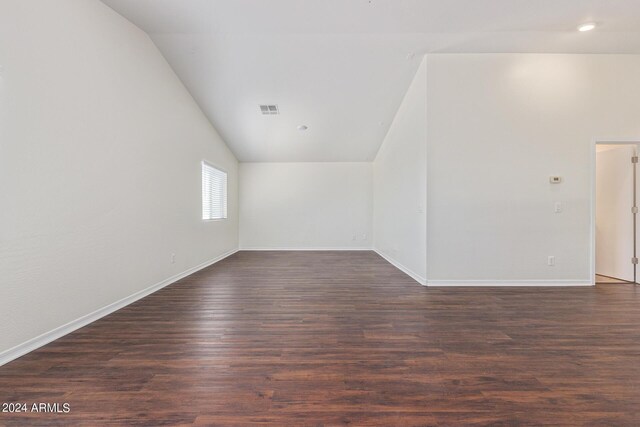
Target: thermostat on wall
555, 179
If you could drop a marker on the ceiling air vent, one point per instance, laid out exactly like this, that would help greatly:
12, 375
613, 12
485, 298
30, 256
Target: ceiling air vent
268, 110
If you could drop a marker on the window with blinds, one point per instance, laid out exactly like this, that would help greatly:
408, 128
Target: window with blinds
214, 192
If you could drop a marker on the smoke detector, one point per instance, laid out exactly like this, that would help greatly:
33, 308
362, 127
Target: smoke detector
269, 110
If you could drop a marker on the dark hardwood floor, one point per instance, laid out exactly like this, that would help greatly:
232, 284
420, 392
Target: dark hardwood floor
342, 338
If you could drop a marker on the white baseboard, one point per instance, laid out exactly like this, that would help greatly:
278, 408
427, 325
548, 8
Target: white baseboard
415, 276
37, 342
307, 249
496, 283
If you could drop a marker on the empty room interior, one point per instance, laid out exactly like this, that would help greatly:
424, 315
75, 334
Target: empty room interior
323, 213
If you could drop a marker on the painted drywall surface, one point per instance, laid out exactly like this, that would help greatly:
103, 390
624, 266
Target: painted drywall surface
614, 220
100, 155
305, 205
399, 170
499, 126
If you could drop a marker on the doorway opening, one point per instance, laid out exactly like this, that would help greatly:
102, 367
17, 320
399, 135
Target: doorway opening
616, 212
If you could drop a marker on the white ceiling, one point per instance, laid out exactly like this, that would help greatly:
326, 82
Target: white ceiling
341, 67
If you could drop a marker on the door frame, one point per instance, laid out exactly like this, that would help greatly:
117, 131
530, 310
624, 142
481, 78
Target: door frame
594, 143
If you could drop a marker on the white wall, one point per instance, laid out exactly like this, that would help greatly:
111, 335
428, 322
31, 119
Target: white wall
400, 180
305, 205
614, 220
499, 126
100, 154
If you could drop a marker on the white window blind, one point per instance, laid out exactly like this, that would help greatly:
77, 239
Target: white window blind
214, 192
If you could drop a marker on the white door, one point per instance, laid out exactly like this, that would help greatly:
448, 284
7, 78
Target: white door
615, 238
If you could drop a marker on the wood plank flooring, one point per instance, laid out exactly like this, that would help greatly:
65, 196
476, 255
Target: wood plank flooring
341, 338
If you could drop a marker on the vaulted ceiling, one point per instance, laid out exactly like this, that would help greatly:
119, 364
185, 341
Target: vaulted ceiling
341, 67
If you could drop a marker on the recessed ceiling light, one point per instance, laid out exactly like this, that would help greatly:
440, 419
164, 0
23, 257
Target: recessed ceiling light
587, 27
303, 127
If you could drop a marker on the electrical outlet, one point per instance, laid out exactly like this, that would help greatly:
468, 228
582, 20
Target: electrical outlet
364, 236
551, 261
173, 258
